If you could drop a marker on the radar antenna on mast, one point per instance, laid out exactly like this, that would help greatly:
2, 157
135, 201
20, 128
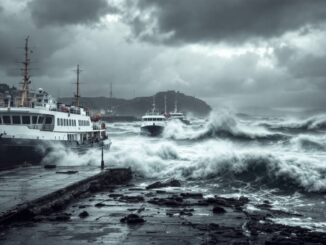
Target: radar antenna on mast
26, 77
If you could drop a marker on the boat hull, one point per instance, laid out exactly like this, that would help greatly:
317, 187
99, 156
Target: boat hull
151, 130
17, 152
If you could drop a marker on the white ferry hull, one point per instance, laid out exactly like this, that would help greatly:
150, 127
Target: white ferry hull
152, 130
15, 152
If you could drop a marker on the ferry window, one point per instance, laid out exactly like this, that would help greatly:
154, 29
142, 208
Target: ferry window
40, 120
6, 120
65, 122
70, 122
61, 121
34, 119
58, 121
26, 119
0, 120
15, 119
48, 120
74, 122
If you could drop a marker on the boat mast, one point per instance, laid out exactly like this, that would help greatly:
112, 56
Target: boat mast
26, 77
110, 103
77, 95
154, 105
176, 104
165, 110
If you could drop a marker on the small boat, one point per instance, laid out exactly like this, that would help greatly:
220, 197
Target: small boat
176, 115
32, 124
153, 123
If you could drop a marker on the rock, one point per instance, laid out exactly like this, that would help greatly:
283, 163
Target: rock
192, 195
67, 172
132, 219
168, 183
63, 217
173, 201
131, 199
115, 195
160, 192
84, 214
50, 166
186, 211
100, 204
264, 206
218, 210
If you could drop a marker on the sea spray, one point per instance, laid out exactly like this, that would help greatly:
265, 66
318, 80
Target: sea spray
314, 123
221, 124
309, 143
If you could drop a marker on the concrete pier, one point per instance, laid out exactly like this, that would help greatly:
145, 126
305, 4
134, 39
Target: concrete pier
34, 190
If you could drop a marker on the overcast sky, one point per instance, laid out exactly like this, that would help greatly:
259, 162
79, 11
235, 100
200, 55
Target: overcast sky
236, 53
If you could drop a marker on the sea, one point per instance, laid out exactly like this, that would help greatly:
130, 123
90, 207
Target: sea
281, 159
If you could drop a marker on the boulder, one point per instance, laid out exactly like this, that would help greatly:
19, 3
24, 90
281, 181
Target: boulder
132, 219
218, 210
167, 183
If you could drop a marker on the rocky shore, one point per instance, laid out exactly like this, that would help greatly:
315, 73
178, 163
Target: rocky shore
158, 213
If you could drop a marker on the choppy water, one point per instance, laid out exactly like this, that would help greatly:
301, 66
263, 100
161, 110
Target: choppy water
282, 160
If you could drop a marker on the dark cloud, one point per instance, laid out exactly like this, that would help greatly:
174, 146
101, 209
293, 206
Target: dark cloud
284, 72
191, 21
68, 12
301, 64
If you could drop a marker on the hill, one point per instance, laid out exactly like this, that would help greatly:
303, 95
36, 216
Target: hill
140, 105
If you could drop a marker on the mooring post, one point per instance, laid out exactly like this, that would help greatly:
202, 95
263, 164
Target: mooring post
102, 161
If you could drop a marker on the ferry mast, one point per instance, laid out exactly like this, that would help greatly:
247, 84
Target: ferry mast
26, 77
77, 95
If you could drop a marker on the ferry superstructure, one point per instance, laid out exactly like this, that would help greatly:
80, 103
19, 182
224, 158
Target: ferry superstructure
176, 115
35, 124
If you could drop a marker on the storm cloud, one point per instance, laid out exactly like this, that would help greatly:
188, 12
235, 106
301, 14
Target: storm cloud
242, 54
235, 21
68, 12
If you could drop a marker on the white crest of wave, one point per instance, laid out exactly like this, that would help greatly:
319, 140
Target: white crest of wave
312, 123
63, 156
219, 122
308, 142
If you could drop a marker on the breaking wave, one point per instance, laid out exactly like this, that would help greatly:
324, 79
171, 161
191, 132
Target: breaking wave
314, 123
221, 125
309, 142
263, 168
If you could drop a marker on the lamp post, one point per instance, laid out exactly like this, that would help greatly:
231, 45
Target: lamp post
102, 159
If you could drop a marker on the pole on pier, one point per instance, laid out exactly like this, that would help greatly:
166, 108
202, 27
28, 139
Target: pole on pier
102, 161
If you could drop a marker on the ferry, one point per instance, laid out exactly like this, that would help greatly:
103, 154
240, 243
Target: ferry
33, 124
176, 115
153, 123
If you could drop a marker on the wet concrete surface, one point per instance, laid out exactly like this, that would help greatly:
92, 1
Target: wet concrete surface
21, 185
132, 214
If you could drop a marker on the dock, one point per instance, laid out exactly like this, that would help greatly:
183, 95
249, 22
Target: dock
29, 191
